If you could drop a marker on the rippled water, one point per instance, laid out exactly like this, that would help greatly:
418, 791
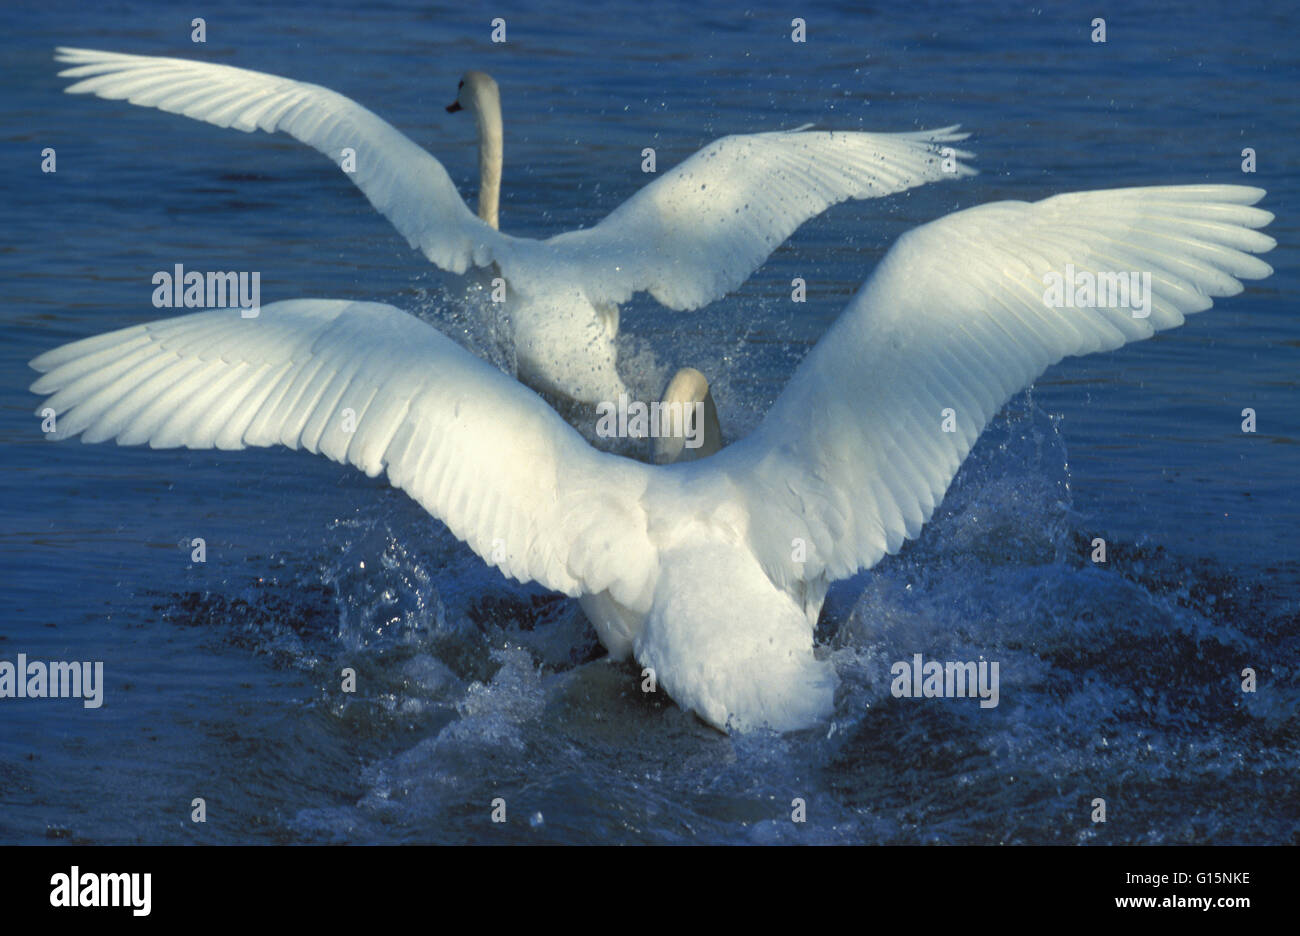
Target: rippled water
1119, 681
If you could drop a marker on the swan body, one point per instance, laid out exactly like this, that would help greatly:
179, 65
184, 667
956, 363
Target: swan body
688, 566
688, 238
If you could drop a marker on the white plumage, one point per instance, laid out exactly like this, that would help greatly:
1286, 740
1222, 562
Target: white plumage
689, 567
688, 238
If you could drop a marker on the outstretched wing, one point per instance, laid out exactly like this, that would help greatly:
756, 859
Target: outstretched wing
959, 316
406, 184
689, 237
368, 385
699, 231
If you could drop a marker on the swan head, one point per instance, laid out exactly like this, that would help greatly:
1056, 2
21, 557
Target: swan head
476, 93
696, 432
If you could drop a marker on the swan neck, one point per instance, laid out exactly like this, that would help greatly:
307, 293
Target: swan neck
688, 389
488, 118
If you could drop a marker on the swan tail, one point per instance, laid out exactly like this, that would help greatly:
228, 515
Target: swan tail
740, 657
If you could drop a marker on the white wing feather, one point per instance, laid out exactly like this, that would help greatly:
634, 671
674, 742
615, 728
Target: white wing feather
404, 183
699, 231
689, 237
472, 446
853, 458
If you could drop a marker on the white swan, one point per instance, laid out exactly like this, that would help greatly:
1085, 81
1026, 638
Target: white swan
689, 237
691, 567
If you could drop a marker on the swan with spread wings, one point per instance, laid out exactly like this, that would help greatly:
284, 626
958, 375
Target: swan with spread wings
690, 567
688, 238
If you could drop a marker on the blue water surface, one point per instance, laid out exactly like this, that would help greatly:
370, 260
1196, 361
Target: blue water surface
1120, 681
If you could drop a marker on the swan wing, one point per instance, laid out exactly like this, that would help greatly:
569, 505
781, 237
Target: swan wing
699, 231
854, 457
368, 385
406, 184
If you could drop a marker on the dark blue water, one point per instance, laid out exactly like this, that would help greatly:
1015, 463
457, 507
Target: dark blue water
1118, 681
